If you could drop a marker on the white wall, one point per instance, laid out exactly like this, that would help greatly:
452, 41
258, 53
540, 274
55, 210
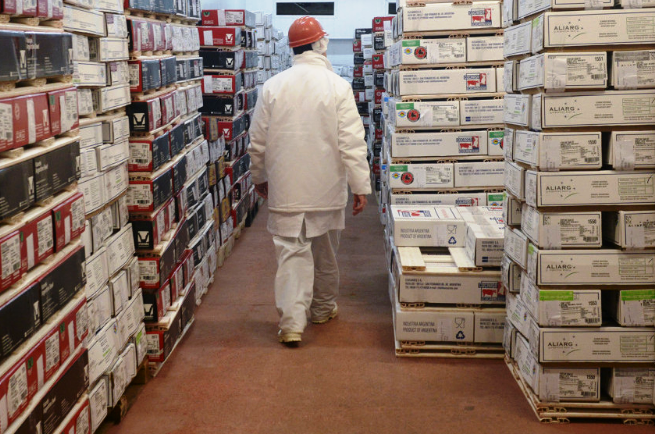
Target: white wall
348, 15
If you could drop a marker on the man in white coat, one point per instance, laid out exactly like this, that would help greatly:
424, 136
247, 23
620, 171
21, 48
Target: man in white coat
307, 146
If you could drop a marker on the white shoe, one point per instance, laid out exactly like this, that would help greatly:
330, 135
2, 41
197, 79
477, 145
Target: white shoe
332, 315
291, 337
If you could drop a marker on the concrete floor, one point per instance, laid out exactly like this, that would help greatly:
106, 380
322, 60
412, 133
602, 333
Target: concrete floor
230, 375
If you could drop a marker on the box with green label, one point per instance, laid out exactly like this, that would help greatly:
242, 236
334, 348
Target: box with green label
630, 308
442, 144
478, 81
421, 176
428, 51
429, 114
562, 308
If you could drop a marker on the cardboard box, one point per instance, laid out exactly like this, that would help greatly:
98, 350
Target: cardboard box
445, 284
560, 71
56, 170
589, 188
62, 281
425, 114
120, 249
481, 112
484, 236
590, 267
421, 176
226, 83
108, 49
489, 326
109, 155
556, 384
84, 21
85, 101
145, 74
439, 143
78, 420
512, 210
562, 308
228, 17
218, 126
601, 28
600, 344
517, 40
633, 69
555, 151
168, 113
93, 191
118, 73
617, 108
80, 48
149, 229
99, 309
484, 48
116, 180
103, 351
510, 275
479, 174
515, 179
516, 246
630, 229
145, 116
115, 129
461, 199
427, 227
630, 150
630, 308
149, 153
63, 110
98, 403
141, 35
631, 385
90, 74
222, 60
429, 82
517, 109
434, 325
562, 229
449, 16
20, 318
49, 54
111, 97
530, 7
219, 36
97, 272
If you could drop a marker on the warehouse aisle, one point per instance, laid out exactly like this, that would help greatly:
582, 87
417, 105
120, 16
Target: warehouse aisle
230, 375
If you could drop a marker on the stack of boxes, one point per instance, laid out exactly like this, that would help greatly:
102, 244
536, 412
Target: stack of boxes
43, 305
579, 247
363, 84
442, 151
272, 46
169, 210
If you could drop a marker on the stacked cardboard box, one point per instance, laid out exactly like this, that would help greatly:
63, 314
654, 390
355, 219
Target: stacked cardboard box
580, 154
272, 48
441, 174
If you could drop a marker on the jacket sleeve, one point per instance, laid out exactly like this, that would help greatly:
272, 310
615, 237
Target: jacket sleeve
258, 134
352, 146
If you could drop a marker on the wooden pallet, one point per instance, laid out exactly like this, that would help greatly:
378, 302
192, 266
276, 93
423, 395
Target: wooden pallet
565, 412
449, 350
33, 86
14, 22
129, 397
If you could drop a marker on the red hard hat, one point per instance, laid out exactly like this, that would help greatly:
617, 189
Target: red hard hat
305, 30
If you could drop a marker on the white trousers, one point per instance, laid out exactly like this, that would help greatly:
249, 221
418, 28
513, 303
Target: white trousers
307, 280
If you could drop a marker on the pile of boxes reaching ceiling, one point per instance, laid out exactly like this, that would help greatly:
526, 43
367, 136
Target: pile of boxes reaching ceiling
273, 48
580, 236
441, 177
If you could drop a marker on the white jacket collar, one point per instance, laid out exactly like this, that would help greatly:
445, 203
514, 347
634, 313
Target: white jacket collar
312, 58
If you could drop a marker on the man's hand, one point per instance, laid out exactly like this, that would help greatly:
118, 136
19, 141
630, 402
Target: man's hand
359, 202
262, 190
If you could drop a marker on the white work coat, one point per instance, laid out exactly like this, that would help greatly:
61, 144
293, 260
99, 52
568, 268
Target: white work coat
307, 139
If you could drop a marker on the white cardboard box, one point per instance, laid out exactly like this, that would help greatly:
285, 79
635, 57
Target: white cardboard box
435, 82
84, 101
120, 248
84, 21
630, 229
116, 181
562, 229
510, 274
531, 7
421, 176
558, 151
479, 174
437, 144
560, 71
434, 325
590, 267
102, 351
512, 210
113, 97
610, 108
576, 188
91, 135
94, 193
109, 155
516, 246
445, 284
484, 235
484, 48
489, 326
80, 47
633, 69
630, 150
109, 49
462, 199
600, 28
515, 179
427, 226
517, 40
115, 129
481, 112
510, 76
630, 308
556, 384
518, 314
599, 344
449, 16
631, 385
517, 109
97, 272
99, 309
98, 404
434, 114
562, 308
428, 51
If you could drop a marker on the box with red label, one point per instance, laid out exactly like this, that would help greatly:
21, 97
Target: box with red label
378, 95
379, 134
12, 257
23, 120
156, 302
155, 266
63, 110
215, 127
37, 236
141, 35
73, 328
228, 17
78, 420
51, 9
149, 228
145, 116
68, 216
219, 36
223, 83
358, 71
148, 191
145, 74
168, 113
377, 61
149, 154
380, 24
19, 7
357, 45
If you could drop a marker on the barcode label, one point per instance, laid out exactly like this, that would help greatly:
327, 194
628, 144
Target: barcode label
598, 76
590, 238
592, 159
588, 394
148, 278
592, 320
142, 202
6, 122
10, 256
